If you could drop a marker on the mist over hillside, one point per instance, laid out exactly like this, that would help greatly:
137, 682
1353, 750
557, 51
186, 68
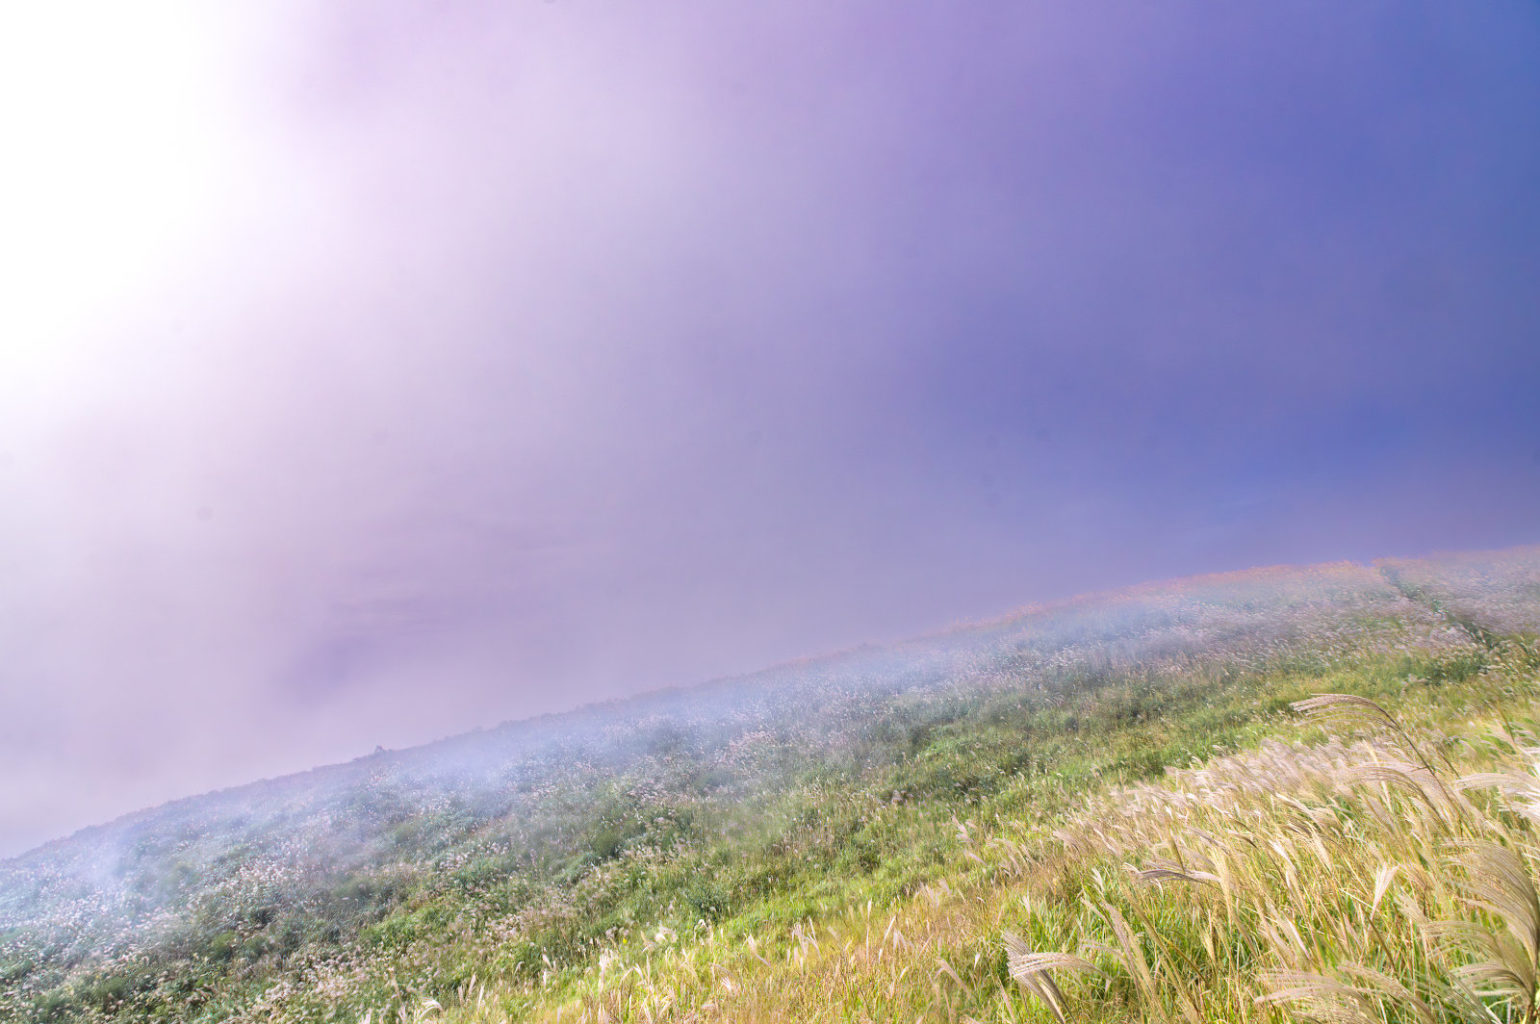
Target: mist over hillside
523, 854
465, 382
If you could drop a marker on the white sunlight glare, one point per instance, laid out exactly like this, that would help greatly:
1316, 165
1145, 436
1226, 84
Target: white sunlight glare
109, 138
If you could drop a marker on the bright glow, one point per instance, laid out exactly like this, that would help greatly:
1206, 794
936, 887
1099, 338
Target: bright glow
111, 142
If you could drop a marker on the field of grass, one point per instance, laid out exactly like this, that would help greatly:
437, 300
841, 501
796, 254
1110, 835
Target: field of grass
1108, 809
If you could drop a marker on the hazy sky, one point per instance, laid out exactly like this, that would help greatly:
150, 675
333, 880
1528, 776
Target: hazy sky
372, 371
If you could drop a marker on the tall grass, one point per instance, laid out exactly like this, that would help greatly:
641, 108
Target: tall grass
1387, 879
1372, 870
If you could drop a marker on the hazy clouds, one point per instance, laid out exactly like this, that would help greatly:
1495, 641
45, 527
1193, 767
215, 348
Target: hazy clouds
499, 357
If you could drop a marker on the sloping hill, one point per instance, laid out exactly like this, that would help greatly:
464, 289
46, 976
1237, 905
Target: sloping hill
712, 853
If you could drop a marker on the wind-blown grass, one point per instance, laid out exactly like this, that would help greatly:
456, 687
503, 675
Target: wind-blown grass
1344, 882
1104, 810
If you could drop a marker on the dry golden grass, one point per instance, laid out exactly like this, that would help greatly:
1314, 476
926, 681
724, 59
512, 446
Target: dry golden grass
1343, 882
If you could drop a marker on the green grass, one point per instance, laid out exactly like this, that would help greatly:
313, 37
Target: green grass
850, 840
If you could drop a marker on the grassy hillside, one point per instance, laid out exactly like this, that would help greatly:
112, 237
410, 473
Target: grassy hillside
1106, 809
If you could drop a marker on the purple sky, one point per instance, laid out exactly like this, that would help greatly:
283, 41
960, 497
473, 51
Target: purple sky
373, 371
